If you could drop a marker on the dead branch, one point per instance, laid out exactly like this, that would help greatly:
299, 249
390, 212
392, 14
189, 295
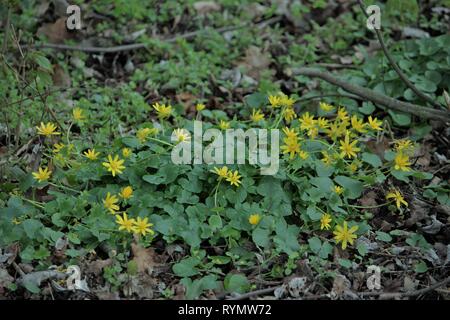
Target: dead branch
135, 46
375, 97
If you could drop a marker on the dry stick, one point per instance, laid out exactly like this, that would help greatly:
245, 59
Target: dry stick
395, 66
254, 293
375, 97
385, 295
134, 46
6, 34
413, 293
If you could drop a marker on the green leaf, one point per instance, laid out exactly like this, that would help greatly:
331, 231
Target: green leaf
372, 159
30, 286
402, 119
236, 283
421, 267
383, 236
326, 250
315, 244
260, 237
345, 263
314, 214
353, 187
215, 222
195, 288
31, 226
186, 267
362, 249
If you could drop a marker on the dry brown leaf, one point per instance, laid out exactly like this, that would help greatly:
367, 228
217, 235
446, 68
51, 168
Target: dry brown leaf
144, 258
60, 77
255, 61
55, 32
204, 7
96, 267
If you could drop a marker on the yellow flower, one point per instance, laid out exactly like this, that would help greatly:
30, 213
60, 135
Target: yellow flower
353, 167
110, 203
47, 129
358, 124
254, 219
182, 135
398, 198
313, 132
57, 147
125, 223
291, 134
345, 235
348, 149
126, 192
91, 154
401, 162
303, 154
289, 114
142, 226
404, 145
233, 178
307, 121
374, 123
143, 134
224, 125
42, 174
336, 130
126, 152
222, 172
257, 115
162, 110
286, 101
327, 158
323, 123
342, 115
325, 221
275, 101
16, 221
78, 115
292, 147
338, 189
326, 107
114, 165
200, 107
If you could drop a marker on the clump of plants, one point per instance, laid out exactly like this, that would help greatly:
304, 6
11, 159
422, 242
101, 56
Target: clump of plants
129, 190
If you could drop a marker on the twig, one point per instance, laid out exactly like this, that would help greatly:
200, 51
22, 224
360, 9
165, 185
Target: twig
254, 293
135, 46
18, 269
414, 293
6, 32
375, 97
395, 66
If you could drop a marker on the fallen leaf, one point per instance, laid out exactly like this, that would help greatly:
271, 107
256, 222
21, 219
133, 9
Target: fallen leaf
60, 77
144, 258
205, 7
55, 32
254, 62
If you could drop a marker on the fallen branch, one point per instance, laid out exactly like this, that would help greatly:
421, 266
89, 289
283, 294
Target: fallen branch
375, 97
135, 46
394, 65
414, 293
254, 293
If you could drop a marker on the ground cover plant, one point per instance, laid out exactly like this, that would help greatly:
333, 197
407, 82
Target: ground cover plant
358, 207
